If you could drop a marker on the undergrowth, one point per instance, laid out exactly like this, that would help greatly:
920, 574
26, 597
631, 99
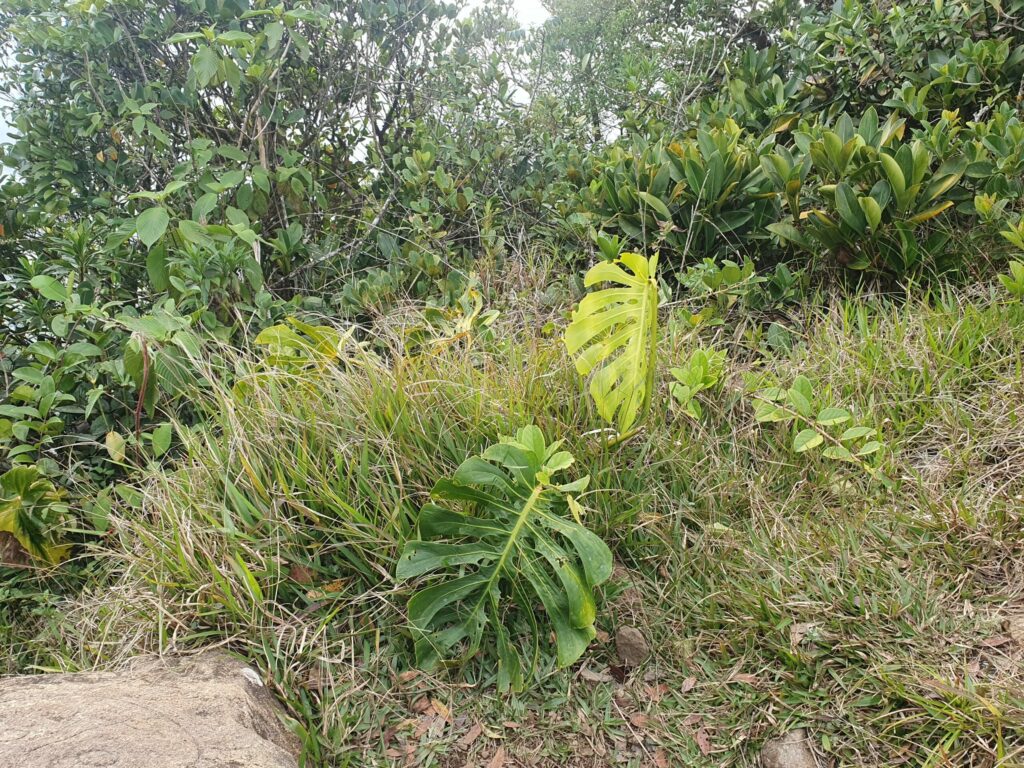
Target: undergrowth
777, 589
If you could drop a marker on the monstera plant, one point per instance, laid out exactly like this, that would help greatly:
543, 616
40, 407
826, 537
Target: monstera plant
500, 538
614, 332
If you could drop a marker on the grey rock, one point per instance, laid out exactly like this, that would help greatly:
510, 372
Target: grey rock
205, 711
632, 646
793, 750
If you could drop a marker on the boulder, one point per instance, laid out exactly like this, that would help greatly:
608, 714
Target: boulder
205, 711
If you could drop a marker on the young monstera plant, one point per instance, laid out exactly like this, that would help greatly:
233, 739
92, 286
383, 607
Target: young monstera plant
501, 538
614, 336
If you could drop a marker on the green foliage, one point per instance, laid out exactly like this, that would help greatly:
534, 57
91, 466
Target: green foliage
615, 331
815, 425
702, 371
32, 511
296, 345
464, 322
699, 196
522, 547
1014, 281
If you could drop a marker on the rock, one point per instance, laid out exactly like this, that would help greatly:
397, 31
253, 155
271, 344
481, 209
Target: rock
632, 646
1015, 626
793, 750
205, 711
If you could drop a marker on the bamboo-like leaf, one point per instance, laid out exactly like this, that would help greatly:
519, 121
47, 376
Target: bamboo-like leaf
615, 331
505, 538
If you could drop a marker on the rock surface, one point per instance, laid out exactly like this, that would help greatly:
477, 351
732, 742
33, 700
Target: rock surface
793, 750
632, 646
206, 711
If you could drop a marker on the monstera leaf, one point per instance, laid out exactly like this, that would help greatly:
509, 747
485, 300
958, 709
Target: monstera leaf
507, 536
615, 331
30, 510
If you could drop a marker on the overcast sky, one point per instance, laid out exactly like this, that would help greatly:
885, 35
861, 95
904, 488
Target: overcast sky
529, 12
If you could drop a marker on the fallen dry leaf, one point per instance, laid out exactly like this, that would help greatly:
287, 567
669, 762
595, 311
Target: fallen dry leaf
409, 674
656, 692
703, 740
300, 573
498, 760
423, 725
595, 677
1015, 626
798, 631
996, 642
661, 759
442, 711
422, 705
742, 677
471, 735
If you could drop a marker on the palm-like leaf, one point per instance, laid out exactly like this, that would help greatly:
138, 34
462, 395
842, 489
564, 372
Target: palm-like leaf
615, 330
513, 541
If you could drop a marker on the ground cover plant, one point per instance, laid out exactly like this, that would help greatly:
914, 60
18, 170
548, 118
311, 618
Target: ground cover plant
633, 390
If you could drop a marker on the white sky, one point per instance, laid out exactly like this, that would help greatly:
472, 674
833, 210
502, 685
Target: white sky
529, 12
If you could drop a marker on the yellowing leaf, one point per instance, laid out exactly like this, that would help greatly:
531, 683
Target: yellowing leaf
614, 331
931, 213
114, 444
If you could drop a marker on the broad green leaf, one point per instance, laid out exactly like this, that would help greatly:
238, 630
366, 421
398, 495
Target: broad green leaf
767, 412
799, 400
807, 439
838, 452
156, 268
855, 433
656, 204
895, 176
787, 231
151, 224
49, 288
828, 417
499, 540
868, 448
161, 439
872, 212
85, 349
205, 65
849, 208
614, 331
931, 213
